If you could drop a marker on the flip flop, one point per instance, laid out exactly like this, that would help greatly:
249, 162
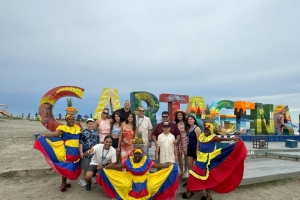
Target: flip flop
184, 196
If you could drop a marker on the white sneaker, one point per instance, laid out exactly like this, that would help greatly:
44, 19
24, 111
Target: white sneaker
94, 179
82, 183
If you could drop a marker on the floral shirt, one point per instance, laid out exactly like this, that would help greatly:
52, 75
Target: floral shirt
88, 139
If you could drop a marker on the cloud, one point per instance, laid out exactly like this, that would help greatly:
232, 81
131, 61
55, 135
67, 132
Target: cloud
247, 50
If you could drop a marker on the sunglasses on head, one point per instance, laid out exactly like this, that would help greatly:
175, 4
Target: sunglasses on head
105, 113
141, 111
165, 116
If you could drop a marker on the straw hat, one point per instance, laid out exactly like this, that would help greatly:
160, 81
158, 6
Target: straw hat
179, 111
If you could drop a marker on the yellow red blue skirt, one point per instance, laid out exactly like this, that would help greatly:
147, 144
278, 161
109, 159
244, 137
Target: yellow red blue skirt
62, 153
138, 182
220, 170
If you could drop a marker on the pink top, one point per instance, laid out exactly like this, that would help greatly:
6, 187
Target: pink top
103, 129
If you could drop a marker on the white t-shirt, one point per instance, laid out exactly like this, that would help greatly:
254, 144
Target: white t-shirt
102, 156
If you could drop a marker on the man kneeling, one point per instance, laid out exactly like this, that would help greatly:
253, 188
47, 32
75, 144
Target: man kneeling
104, 154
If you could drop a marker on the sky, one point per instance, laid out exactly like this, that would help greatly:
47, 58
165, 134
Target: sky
235, 50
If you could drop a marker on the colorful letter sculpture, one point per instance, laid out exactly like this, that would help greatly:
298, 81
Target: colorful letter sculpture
108, 97
48, 100
174, 101
240, 108
151, 100
282, 119
263, 121
263, 118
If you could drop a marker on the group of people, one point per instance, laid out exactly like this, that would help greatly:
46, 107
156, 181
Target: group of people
106, 147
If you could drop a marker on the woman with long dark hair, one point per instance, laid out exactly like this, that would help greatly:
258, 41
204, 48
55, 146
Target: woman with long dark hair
128, 132
180, 118
194, 132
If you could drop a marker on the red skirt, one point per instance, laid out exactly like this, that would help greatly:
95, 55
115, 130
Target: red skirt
225, 170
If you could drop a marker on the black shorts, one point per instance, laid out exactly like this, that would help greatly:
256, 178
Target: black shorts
192, 153
115, 143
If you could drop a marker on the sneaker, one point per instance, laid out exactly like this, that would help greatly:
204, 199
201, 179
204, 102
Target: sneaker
82, 183
88, 187
94, 179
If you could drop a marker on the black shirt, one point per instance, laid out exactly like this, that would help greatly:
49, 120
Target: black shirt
124, 114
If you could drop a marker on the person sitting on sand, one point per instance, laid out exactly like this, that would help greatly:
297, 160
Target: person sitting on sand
61, 149
220, 170
138, 182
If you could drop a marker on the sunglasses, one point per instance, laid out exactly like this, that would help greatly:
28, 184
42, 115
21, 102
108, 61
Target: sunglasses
104, 113
141, 111
165, 116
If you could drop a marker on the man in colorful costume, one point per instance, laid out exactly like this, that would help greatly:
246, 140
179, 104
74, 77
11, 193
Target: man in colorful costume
220, 170
138, 182
61, 149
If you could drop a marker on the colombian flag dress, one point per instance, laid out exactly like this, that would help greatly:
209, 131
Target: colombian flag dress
138, 182
220, 170
62, 153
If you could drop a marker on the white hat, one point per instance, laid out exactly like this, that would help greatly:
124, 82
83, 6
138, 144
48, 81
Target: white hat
90, 120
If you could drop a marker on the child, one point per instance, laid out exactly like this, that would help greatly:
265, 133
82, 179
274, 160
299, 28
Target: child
88, 138
165, 146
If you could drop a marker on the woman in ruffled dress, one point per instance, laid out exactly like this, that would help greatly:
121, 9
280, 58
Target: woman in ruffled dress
220, 170
180, 117
128, 133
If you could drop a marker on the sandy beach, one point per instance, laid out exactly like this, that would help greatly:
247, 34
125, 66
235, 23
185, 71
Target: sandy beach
26, 175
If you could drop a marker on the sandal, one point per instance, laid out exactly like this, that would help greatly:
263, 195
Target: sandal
63, 189
184, 196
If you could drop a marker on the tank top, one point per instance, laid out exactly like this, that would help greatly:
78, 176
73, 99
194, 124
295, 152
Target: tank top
116, 131
104, 127
192, 138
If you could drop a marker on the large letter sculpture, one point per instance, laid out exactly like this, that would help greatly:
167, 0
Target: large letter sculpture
174, 101
240, 108
151, 100
48, 101
215, 108
282, 119
108, 97
196, 106
263, 119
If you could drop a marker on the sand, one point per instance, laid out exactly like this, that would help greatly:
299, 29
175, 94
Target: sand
24, 173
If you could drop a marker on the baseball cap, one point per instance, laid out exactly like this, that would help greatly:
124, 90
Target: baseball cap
90, 120
166, 124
